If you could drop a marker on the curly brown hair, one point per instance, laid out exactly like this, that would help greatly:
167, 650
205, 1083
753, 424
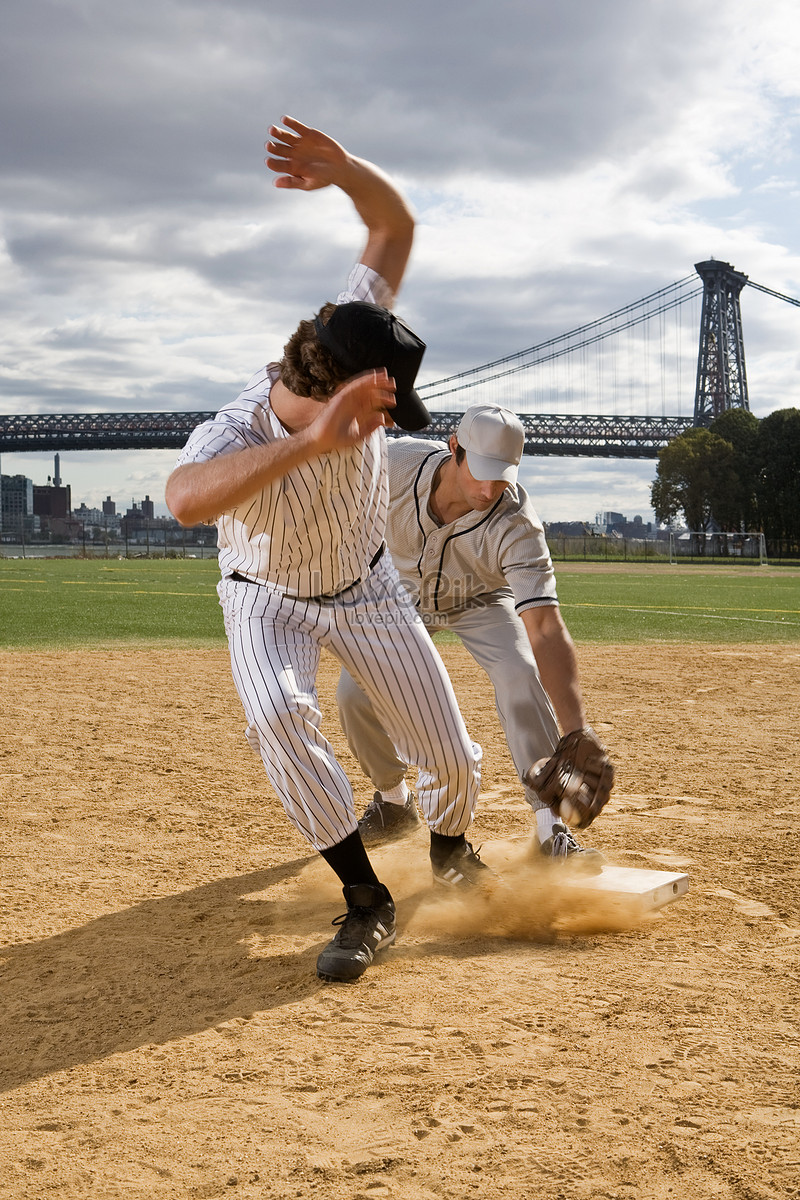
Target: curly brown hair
307, 368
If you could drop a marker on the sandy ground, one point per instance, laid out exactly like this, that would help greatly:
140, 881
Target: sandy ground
164, 1033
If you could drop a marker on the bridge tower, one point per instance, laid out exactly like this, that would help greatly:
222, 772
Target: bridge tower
721, 376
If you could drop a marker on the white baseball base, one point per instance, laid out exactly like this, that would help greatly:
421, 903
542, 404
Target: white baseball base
631, 887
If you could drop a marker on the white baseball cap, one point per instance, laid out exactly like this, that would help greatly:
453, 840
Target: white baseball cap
494, 439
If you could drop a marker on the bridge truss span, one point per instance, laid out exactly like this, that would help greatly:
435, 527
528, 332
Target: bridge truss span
577, 435
600, 436
581, 436
98, 431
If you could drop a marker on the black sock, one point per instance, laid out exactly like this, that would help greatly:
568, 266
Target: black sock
442, 847
350, 862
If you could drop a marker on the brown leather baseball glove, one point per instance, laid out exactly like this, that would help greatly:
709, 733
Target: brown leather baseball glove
577, 779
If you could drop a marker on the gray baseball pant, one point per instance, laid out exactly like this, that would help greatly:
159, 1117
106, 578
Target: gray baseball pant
496, 638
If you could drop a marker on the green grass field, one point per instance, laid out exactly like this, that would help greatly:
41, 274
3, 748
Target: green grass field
70, 602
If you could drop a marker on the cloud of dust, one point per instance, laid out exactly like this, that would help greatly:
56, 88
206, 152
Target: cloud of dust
531, 901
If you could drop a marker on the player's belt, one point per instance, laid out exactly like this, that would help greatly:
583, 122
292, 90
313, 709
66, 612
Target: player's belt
376, 558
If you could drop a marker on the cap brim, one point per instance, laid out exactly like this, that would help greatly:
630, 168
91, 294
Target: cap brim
490, 469
409, 412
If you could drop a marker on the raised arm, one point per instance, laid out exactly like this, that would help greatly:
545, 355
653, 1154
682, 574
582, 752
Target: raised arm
308, 159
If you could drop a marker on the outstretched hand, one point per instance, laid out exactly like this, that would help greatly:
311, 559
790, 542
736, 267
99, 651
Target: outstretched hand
303, 157
354, 412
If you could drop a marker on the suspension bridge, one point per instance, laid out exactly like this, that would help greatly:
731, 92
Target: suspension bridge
636, 351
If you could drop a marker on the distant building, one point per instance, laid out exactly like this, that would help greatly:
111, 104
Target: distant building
610, 519
109, 507
17, 496
616, 524
133, 521
570, 529
16, 507
89, 516
51, 500
142, 517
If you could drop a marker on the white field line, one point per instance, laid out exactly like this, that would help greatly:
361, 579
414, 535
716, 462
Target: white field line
671, 612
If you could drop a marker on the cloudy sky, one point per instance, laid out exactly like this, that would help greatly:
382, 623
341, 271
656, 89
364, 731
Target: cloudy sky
563, 159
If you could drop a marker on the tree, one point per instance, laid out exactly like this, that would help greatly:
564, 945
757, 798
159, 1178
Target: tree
739, 509
778, 480
696, 472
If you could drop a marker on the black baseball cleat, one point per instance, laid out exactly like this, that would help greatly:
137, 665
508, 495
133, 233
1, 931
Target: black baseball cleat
366, 927
561, 846
463, 870
383, 821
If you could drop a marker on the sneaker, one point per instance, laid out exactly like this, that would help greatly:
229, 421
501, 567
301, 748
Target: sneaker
561, 845
463, 869
383, 821
366, 927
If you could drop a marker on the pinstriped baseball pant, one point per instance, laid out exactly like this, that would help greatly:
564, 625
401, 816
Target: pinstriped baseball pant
375, 633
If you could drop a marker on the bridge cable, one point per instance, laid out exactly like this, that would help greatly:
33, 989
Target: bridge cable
557, 352
779, 295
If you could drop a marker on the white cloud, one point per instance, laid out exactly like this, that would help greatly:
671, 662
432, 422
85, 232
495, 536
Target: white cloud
576, 489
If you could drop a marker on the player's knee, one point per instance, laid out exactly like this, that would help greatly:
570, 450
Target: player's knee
469, 766
269, 726
253, 740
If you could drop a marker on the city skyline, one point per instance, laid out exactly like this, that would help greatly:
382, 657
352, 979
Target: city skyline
532, 474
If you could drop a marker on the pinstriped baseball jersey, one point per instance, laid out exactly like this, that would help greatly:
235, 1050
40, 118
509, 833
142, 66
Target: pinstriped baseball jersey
449, 568
313, 533
315, 530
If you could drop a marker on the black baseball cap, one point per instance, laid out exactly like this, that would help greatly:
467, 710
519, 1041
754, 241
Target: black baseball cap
362, 336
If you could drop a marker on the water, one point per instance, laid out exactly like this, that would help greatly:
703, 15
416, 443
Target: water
14, 550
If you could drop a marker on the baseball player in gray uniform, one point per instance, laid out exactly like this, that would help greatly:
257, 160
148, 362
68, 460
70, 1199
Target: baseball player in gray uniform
472, 554
294, 474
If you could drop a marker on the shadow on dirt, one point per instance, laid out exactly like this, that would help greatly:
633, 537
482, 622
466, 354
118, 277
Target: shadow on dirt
158, 971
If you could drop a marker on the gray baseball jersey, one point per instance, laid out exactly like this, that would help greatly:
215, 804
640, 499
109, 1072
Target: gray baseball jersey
451, 567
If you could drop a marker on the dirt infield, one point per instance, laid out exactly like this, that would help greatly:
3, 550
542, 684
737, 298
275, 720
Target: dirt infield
164, 1034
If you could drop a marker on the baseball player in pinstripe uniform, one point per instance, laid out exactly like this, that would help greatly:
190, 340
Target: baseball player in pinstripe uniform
294, 474
471, 552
